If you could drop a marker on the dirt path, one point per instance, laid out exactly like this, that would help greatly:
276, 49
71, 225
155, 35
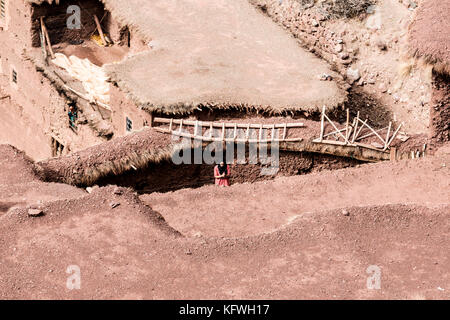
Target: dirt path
249, 209
125, 249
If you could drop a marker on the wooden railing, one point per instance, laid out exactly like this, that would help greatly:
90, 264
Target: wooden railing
176, 128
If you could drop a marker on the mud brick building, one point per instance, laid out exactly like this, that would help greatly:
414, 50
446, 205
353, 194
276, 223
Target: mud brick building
153, 65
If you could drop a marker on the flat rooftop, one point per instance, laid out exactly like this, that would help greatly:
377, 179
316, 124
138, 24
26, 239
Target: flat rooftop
219, 54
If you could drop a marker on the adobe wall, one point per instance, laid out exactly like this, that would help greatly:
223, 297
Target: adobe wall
22, 131
123, 107
38, 99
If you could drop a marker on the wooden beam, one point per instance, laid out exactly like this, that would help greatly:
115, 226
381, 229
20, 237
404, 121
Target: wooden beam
49, 44
387, 136
356, 127
322, 125
395, 134
346, 125
100, 31
335, 127
393, 154
376, 133
230, 125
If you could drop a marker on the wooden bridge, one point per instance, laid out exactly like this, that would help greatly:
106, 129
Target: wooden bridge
343, 142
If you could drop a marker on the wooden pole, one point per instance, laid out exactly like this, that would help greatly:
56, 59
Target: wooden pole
356, 127
49, 44
387, 136
393, 136
376, 133
284, 131
346, 126
322, 123
100, 31
260, 133
393, 154
345, 139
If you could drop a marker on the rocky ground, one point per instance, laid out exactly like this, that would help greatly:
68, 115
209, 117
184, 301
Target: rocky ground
370, 50
314, 238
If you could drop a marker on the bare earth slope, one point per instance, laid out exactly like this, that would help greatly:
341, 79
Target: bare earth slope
129, 251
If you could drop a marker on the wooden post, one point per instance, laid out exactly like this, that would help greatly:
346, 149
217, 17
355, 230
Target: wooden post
376, 133
247, 136
387, 136
356, 127
235, 132
223, 131
49, 44
151, 119
346, 126
210, 130
284, 131
335, 128
171, 124
181, 125
260, 133
44, 50
100, 31
273, 133
395, 134
322, 123
393, 154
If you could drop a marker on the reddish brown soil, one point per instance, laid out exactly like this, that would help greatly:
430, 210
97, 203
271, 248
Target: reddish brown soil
398, 220
440, 108
428, 33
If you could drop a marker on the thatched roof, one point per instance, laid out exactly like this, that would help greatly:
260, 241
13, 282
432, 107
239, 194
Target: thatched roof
131, 152
429, 36
220, 54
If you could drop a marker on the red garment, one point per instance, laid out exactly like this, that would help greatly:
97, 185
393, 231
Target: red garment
222, 181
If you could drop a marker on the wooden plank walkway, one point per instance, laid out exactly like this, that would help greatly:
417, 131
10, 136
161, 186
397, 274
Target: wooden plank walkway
346, 144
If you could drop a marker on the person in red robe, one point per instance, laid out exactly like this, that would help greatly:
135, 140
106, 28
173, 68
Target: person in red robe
222, 174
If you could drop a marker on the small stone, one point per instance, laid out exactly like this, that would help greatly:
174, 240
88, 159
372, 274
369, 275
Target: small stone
345, 212
353, 75
114, 204
338, 48
344, 56
314, 23
35, 212
117, 191
325, 77
89, 189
